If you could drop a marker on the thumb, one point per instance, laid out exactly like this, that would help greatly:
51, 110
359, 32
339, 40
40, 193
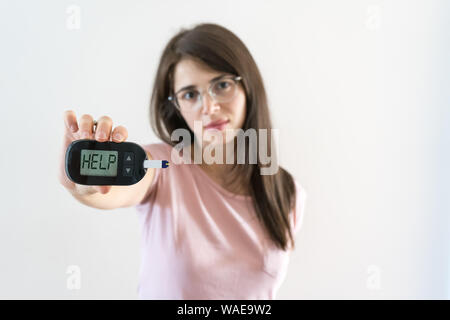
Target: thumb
103, 189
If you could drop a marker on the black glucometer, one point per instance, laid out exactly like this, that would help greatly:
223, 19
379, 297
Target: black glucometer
91, 162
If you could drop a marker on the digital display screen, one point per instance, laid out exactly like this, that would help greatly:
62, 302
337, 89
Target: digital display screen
99, 163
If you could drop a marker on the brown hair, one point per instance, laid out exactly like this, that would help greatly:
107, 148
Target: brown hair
273, 196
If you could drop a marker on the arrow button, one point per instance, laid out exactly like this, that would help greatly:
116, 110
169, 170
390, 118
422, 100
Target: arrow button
128, 171
128, 158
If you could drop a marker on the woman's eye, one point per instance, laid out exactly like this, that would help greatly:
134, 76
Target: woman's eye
223, 85
189, 95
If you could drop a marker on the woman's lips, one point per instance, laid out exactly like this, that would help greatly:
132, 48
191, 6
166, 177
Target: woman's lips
217, 125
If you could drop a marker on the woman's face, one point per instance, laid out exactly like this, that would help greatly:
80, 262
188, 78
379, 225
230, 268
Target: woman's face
190, 72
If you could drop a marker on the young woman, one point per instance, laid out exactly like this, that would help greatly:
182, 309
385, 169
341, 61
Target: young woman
209, 230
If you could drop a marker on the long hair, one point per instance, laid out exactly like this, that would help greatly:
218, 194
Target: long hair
273, 196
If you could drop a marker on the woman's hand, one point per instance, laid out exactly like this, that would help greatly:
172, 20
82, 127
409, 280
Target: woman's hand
85, 130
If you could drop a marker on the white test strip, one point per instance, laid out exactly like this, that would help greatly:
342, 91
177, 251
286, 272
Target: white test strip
156, 163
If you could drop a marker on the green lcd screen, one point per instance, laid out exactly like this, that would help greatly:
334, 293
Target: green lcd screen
98, 163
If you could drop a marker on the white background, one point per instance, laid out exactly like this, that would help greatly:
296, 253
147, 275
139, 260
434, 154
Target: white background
358, 89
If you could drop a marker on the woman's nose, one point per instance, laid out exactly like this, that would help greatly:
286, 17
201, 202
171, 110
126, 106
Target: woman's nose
208, 104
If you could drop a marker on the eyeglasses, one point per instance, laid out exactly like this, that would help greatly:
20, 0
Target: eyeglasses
221, 90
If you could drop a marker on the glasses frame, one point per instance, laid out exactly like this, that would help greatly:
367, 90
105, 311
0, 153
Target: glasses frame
173, 98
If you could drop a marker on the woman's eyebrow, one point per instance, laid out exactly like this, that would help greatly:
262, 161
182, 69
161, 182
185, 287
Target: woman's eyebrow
192, 86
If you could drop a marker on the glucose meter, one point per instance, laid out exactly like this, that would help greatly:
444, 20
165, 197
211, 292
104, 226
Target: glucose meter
91, 162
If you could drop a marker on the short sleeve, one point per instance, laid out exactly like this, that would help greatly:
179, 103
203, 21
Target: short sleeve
158, 151
300, 204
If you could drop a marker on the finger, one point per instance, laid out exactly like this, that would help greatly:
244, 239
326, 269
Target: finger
103, 131
120, 134
86, 125
70, 120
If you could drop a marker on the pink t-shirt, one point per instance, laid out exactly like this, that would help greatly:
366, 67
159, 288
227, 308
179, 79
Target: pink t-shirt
200, 241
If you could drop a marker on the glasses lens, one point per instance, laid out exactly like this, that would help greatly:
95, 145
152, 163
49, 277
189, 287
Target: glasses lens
224, 90
188, 99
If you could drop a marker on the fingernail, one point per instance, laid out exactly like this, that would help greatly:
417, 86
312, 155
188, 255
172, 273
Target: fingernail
73, 128
101, 135
118, 136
